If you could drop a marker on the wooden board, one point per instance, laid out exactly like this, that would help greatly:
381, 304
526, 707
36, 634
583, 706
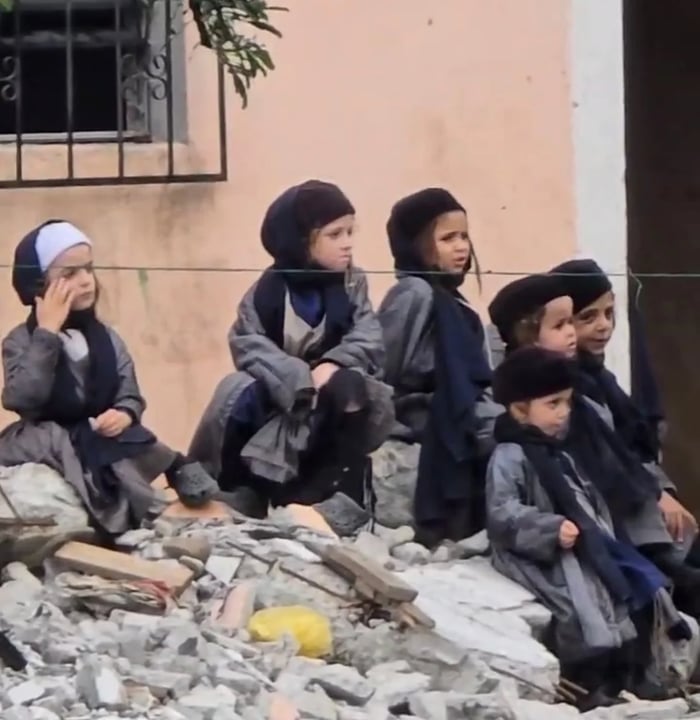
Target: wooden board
95, 560
352, 564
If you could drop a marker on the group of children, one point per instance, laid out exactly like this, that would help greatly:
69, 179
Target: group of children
547, 452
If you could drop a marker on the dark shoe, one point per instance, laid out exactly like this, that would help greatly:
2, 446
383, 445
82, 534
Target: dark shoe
193, 485
648, 690
597, 698
245, 501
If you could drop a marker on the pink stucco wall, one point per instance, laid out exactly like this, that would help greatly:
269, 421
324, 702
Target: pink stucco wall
382, 98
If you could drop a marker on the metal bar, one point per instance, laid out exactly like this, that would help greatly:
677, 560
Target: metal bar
18, 90
119, 90
194, 178
86, 137
223, 139
69, 87
169, 85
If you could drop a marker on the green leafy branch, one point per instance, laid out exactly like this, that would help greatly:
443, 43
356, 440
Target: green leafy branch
5, 5
222, 28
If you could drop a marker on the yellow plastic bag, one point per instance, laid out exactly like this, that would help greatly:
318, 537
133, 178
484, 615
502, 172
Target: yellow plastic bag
310, 629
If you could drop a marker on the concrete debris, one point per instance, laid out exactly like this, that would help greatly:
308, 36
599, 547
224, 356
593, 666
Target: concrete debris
128, 635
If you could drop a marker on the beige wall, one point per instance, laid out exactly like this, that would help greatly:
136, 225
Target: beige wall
382, 98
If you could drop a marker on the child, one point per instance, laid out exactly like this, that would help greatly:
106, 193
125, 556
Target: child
296, 422
551, 531
437, 363
535, 310
594, 318
629, 488
71, 380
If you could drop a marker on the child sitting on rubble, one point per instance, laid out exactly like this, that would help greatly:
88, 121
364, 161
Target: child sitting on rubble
552, 532
71, 380
594, 318
297, 420
438, 364
536, 310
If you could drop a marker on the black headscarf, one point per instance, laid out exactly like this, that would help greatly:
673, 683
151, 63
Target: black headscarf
586, 282
595, 381
522, 298
583, 280
65, 405
285, 234
447, 473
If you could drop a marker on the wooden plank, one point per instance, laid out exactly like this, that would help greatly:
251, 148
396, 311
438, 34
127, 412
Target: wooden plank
364, 590
350, 563
113, 565
213, 510
417, 614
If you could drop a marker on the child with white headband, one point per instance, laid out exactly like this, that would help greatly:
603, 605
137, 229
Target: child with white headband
71, 380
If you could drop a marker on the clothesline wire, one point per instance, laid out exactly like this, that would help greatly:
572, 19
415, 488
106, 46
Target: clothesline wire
635, 276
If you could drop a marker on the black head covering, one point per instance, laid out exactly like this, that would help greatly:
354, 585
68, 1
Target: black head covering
27, 276
294, 214
409, 217
285, 234
584, 280
522, 298
530, 373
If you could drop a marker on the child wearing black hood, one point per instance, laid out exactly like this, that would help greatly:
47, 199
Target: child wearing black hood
71, 380
594, 319
552, 532
438, 364
297, 420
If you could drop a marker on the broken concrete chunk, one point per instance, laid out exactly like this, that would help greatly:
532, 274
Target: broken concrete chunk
412, 554
207, 698
223, 568
343, 683
238, 606
372, 546
133, 539
100, 686
342, 514
396, 688
195, 546
25, 693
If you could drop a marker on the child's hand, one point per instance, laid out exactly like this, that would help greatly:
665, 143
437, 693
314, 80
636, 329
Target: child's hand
112, 422
322, 373
52, 310
568, 534
678, 520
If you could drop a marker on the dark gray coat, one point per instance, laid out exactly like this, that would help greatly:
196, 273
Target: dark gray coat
408, 327
524, 534
647, 526
273, 451
29, 363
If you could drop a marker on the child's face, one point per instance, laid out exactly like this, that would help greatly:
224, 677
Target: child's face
549, 414
331, 245
75, 267
557, 331
453, 247
595, 324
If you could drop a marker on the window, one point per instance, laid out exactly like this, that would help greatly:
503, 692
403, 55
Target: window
92, 69
96, 71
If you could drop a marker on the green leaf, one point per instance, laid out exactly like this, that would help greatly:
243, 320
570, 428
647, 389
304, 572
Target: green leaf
222, 28
6, 5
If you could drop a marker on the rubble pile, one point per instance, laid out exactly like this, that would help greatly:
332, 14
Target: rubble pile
164, 627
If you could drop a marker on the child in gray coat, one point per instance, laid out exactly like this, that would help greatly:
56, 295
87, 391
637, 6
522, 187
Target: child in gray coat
552, 532
72, 381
